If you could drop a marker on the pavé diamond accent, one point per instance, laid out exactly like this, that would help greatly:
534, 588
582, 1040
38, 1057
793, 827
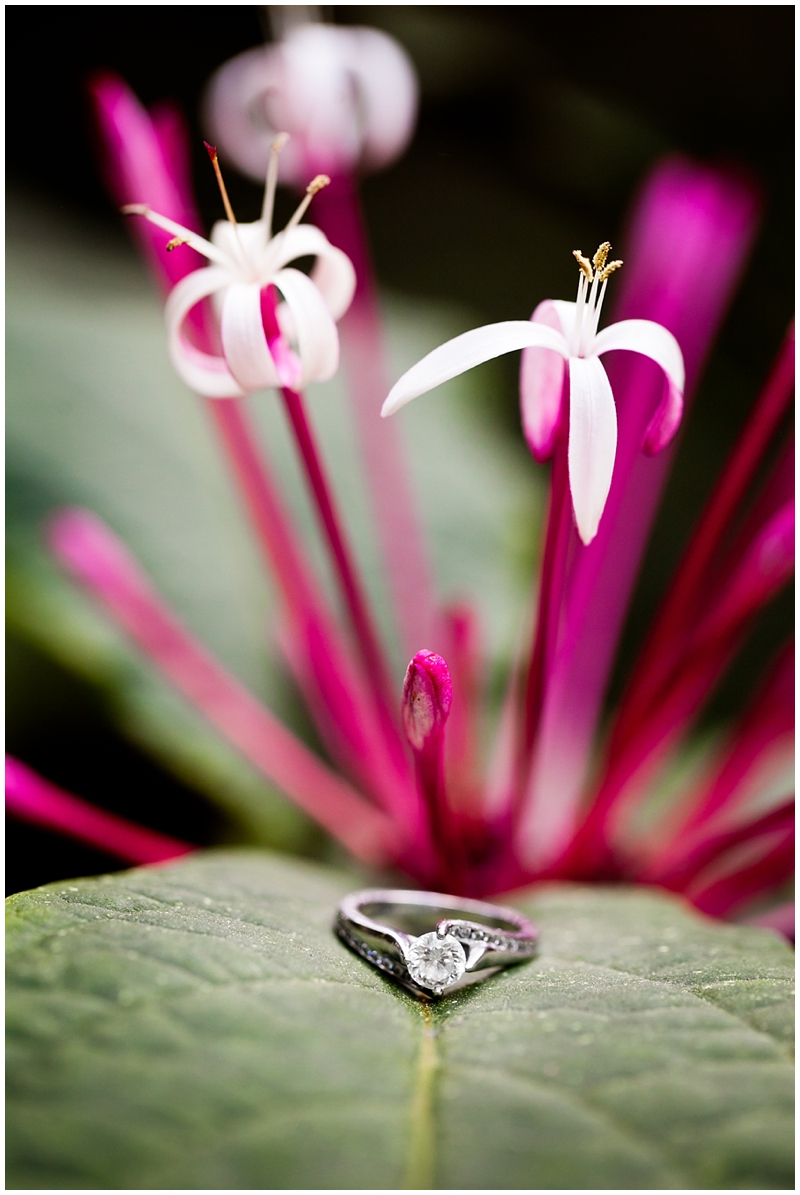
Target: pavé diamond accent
435, 962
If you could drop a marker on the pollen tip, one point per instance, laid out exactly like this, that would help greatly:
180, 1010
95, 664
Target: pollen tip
609, 270
601, 256
175, 243
134, 209
317, 184
211, 150
584, 265
279, 142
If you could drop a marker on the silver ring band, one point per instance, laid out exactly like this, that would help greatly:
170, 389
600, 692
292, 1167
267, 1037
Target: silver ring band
433, 943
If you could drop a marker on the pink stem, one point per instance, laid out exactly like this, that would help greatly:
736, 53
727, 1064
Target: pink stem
322, 494
429, 765
33, 799
551, 592
337, 211
109, 571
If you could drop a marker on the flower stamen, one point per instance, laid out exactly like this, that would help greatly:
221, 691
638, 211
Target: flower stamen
609, 270
272, 182
601, 256
212, 153
584, 265
315, 185
589, 302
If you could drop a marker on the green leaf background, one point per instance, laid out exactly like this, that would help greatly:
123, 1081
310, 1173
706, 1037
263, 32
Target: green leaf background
198, 1026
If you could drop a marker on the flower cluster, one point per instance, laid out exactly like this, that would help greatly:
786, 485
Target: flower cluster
405, 790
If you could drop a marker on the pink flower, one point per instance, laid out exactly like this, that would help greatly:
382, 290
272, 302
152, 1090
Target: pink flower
404, 788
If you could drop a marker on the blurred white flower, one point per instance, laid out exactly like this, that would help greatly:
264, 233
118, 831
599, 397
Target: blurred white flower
347, 96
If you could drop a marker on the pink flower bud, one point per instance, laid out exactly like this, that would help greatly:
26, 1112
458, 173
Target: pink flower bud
427, 693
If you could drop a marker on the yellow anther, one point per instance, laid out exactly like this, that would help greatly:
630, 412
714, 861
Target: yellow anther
317, 184
609, 270
175, 243
279, 142
601, 255
584, 265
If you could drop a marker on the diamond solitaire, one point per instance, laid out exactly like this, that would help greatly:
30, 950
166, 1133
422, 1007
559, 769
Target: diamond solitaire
435, 962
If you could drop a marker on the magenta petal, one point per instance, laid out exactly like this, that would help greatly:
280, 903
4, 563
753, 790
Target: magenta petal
768, 872
542, 376
138, 170
33, 799
104, 565
666, 420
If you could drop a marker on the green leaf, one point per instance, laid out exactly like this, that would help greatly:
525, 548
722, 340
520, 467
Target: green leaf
198, 1026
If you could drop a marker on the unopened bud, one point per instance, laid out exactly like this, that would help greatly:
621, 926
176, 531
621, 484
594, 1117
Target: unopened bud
427, 693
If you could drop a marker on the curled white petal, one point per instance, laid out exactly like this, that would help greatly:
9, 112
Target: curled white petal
646, 337
243, 341
592, 442
333, 273
314, 329
207, 374
465, 352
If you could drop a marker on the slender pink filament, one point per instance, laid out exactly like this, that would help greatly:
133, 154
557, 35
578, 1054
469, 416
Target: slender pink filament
106, 567
33, 799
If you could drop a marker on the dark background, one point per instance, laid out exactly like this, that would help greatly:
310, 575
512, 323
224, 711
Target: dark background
536, 124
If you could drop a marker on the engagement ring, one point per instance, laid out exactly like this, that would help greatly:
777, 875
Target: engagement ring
432, 943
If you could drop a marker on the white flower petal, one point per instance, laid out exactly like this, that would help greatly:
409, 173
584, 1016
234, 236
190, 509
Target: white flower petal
465, 352
317, 338
592, 442
243, 340
333, 273
566, 315
541, 387
646, 337
208, 375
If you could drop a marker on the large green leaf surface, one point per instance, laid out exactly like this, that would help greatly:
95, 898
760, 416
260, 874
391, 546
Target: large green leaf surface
198, 1026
